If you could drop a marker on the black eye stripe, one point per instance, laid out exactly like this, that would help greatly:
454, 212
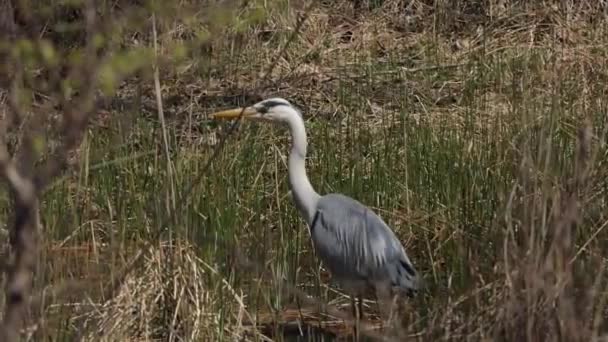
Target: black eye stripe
270, 104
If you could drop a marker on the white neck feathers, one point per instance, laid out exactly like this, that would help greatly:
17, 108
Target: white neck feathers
305, 197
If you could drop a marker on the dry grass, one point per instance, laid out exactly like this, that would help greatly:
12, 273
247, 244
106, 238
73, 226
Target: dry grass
165, 299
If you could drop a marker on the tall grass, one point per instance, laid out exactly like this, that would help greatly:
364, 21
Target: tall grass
471, 164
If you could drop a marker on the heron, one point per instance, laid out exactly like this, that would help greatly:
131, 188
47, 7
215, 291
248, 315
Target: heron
358, 248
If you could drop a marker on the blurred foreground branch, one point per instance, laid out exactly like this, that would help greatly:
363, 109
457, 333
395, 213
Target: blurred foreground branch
32, 65
26, 182
23, 241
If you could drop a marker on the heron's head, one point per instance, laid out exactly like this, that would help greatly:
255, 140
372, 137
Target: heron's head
274, 109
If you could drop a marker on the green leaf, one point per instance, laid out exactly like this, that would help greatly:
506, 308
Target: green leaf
48, 53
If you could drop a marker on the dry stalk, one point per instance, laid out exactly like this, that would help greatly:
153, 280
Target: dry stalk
161, 117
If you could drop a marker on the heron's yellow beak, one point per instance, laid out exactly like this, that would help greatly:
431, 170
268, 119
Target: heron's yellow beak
234, 113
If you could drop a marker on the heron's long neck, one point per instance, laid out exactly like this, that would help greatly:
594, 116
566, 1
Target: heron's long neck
305, 196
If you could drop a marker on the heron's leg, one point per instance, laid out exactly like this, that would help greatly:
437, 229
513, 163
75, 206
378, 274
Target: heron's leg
356, 317
360, 306
385, 302
299, 308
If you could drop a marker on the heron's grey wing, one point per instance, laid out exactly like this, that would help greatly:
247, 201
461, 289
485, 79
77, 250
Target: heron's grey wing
355, 244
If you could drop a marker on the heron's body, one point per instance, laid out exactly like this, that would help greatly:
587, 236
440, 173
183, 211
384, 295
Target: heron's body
358, 248
353, 242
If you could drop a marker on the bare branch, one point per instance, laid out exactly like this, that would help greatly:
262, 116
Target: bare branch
25, 183
20, 271
24, 238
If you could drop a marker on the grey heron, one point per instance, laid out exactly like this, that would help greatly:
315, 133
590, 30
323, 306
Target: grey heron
354, 243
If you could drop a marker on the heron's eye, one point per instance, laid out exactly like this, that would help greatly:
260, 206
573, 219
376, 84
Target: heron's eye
263, 110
